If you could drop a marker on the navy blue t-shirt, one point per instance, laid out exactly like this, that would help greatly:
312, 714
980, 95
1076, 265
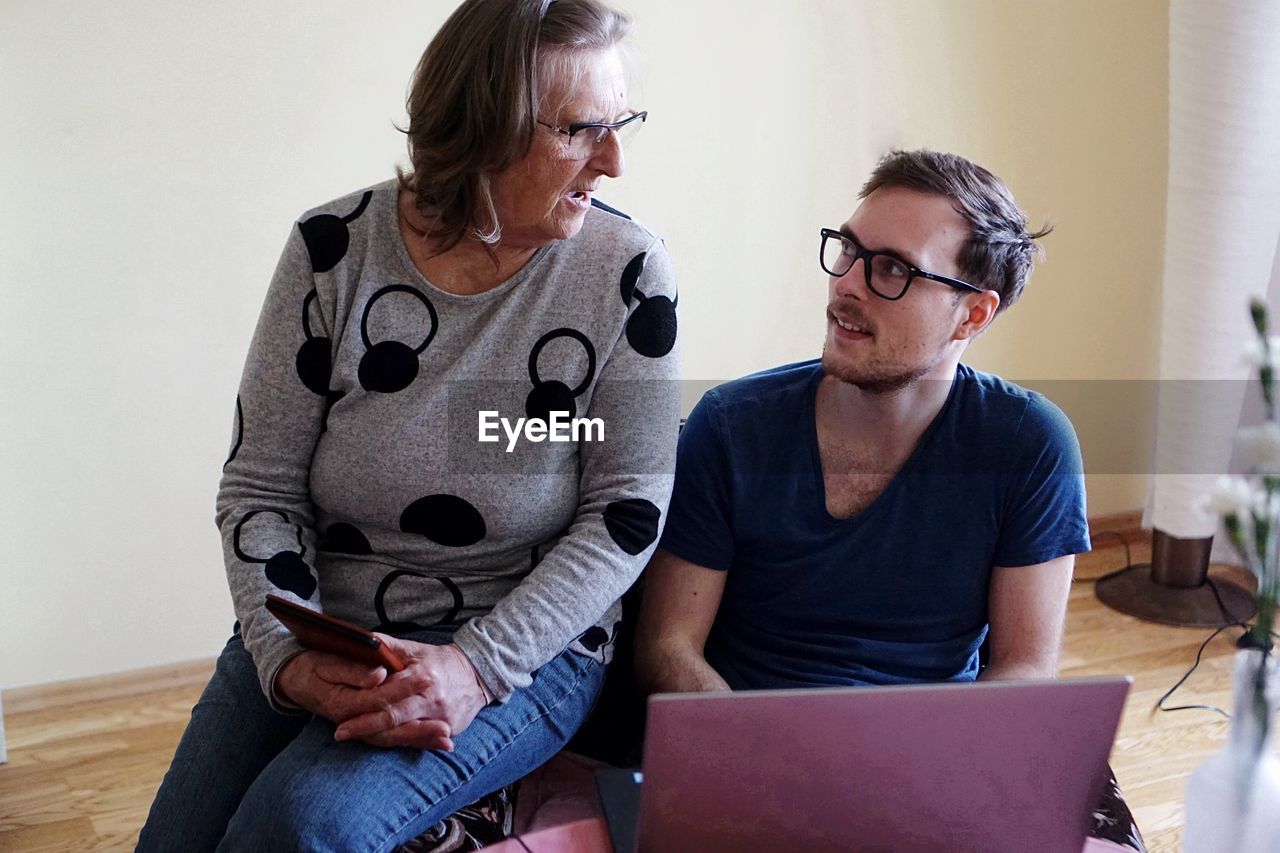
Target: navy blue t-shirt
898, 592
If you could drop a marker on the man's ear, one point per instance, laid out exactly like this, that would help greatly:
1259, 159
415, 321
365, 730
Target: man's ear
981, 311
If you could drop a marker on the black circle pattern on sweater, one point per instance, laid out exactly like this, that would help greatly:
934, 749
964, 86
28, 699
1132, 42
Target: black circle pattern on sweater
344, 538
239, 434
593, 638
631, 277
314, 359
387, 625
444, 519
632, 524
327, 236
391, 366
651, 328
553, 395
286, 570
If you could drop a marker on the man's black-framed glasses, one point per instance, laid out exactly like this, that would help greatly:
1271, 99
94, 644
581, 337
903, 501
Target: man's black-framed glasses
888, 276
585, 137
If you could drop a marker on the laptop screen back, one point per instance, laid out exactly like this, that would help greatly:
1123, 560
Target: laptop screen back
987, 766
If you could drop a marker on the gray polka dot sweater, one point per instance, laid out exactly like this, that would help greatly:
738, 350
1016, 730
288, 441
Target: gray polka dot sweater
358, 482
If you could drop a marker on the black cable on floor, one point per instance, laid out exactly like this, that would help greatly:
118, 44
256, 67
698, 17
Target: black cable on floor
1231, 622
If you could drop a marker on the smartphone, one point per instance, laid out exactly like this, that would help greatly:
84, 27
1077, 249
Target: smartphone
324, 633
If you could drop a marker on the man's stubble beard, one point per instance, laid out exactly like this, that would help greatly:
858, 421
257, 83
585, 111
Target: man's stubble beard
875, 383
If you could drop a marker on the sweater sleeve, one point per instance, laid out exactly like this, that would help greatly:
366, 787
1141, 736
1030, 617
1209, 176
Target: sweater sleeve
264, 508
624, 488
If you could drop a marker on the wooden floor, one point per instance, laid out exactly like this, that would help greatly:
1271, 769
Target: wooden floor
85, 759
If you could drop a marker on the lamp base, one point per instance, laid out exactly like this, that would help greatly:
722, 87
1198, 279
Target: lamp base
1133, 591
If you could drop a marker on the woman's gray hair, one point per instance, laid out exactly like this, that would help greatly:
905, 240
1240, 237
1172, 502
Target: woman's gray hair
475, 97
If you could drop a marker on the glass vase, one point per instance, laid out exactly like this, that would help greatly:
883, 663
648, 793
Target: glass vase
1233, 798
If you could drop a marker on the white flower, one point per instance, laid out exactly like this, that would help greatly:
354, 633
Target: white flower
1233, 495
1259, 447
1255, 357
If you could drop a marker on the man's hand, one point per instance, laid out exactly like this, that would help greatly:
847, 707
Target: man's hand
426, 705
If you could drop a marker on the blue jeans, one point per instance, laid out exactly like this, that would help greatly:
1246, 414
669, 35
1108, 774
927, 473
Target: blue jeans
247, 778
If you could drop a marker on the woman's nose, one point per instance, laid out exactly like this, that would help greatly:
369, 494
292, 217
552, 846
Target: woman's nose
607, 157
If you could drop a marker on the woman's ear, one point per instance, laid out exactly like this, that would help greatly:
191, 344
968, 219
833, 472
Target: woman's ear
982, 309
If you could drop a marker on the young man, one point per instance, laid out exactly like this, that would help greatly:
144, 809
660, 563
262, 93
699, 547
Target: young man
876, 516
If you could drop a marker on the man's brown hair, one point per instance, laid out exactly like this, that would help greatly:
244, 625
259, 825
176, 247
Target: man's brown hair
1000, 251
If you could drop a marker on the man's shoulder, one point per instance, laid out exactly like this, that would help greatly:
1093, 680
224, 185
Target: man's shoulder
766, 388
1027, 414
993, 389
993, 392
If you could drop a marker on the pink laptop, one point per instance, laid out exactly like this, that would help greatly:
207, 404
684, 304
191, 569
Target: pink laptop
998, 766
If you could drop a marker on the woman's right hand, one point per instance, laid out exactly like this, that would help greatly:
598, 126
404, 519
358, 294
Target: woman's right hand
328, 686
339, 689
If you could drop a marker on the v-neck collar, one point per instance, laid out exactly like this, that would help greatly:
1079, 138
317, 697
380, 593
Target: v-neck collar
885, 496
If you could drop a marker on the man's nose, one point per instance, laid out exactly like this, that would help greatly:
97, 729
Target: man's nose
854, 281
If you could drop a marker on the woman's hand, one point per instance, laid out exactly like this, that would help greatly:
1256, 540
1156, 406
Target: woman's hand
433, 699
329, 686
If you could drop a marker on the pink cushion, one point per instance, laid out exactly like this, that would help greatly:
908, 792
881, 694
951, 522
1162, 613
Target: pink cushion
559, 792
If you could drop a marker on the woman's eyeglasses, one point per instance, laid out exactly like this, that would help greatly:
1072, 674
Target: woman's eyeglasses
585, 137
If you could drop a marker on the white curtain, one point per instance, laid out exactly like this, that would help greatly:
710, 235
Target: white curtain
1221, 233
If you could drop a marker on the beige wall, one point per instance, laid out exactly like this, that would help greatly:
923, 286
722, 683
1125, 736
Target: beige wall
1068, 102
155, 155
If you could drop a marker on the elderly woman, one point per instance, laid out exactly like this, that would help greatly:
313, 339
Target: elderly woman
486, 286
